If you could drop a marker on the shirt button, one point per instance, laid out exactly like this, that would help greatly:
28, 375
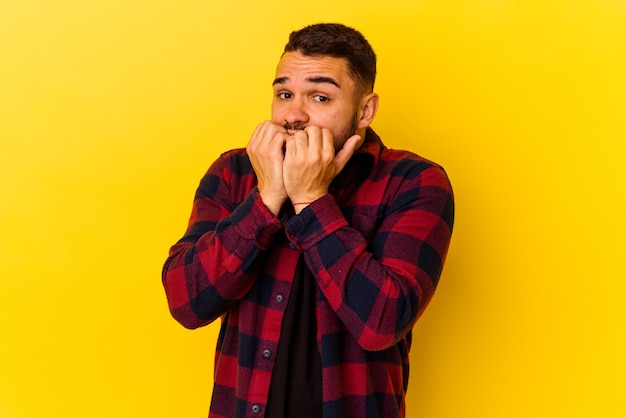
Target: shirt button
292, 246
256, 409
280, 298
267, 353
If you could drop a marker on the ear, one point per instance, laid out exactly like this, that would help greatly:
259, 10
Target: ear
368, 106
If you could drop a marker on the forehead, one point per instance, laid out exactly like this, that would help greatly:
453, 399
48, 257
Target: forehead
295, 67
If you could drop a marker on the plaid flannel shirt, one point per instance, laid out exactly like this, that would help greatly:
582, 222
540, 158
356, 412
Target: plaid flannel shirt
376, 244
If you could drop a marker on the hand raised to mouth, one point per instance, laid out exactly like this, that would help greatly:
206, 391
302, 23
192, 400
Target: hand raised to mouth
310, 163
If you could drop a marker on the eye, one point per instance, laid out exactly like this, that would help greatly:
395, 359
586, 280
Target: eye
284, 95
320, 98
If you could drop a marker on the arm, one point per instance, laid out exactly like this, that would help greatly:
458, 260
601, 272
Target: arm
214, 264
379, 288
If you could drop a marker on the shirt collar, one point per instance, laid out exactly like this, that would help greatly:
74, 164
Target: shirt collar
371, 148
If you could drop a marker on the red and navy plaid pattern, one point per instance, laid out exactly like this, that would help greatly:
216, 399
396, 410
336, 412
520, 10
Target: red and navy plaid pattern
376, 244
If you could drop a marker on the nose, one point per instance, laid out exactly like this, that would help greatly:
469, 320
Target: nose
296, 113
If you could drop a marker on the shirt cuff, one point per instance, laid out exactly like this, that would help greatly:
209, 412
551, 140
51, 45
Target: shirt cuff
254, 221
315, 222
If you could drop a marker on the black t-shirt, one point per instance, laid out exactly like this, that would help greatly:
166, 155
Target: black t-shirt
296, 387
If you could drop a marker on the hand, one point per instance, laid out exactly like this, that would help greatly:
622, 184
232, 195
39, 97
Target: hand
310, 163
265, 150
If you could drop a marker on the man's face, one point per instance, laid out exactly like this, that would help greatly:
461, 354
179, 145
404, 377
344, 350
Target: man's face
315, 90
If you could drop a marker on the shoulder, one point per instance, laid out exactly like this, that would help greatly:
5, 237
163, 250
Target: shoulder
234, 162
411, 166
397, 162
227, 182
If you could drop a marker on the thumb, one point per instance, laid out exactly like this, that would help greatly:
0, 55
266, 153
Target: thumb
344, 154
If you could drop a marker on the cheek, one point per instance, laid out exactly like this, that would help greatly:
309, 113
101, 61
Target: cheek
332, 119
341, 121
274, 110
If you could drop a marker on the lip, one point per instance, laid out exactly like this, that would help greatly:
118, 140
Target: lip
292, 129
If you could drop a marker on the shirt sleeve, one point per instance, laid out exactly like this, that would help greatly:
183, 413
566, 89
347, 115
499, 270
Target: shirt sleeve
215, 263
379, 285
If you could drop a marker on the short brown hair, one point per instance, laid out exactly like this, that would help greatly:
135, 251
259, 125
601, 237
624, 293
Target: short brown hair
339, 41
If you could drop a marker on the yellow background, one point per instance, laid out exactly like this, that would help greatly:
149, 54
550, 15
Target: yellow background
111, 111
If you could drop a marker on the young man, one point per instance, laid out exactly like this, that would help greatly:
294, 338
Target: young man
316, 245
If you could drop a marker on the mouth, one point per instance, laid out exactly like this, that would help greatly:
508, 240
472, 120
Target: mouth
291, 129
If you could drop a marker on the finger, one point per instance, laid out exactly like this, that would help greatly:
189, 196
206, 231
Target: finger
278, 142
314, 134
301, 142
270, 130
277, 128
264, 136
259, 134
290, 147
328, 141
255, 135
345, 153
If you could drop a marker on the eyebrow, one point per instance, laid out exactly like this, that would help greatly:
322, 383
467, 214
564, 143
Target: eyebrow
317, 80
